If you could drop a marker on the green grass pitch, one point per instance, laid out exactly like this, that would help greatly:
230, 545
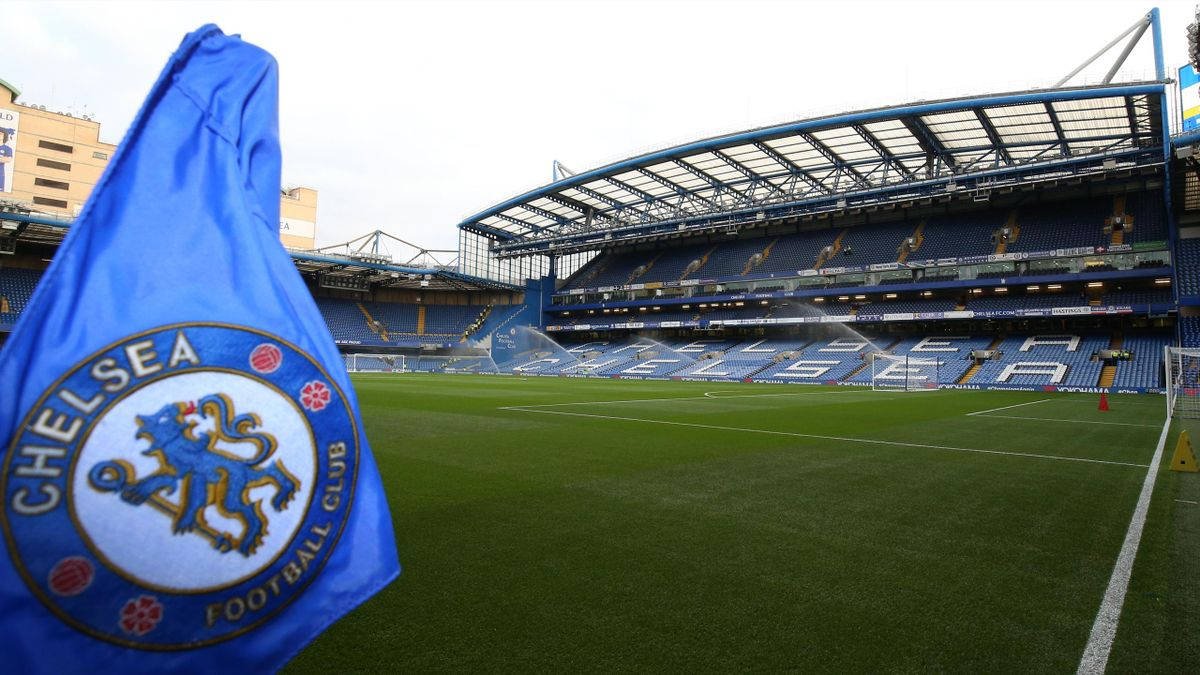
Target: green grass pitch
602, 525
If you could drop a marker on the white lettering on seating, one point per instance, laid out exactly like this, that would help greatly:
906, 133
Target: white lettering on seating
708, 369
899, 370
844, 345
639, 347
648, 366
751, 349
807, 369
1055, 370
938, 344
534, 365
594, 364
697, 346
1071, 342
587, 346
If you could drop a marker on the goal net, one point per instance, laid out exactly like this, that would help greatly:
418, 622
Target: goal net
904, 373
1183, 382
406, 363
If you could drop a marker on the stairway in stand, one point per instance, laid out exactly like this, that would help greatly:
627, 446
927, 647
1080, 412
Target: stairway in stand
374, 325
976, 366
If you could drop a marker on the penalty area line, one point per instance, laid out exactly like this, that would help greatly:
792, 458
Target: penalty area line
843, 439
1056, 419
1104, 629
1007, 407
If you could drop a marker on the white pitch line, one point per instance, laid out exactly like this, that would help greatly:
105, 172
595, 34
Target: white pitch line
1185, 501
1104, 630
1015, 405
684, 398
845, 439
1056, 419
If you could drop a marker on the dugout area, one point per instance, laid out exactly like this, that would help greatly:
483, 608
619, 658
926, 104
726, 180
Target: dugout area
552, 524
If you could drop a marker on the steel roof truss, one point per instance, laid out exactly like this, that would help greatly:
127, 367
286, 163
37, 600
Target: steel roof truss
795, 169
990, 129
934, 150
749, 173
844, 169
1064, 149
884, 153
684, 193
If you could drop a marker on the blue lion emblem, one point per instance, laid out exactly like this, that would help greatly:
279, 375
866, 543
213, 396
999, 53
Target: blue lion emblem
204, 474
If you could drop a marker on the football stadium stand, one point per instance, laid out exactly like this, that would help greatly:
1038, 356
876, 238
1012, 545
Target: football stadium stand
1034, 239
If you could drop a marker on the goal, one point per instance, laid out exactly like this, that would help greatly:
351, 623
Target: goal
422, 363
1183, 382
904, 373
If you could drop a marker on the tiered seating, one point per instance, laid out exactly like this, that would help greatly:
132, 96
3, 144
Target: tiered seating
17, 286
450, 319
1034, 301
1046, 227
1146, 367
953, 354
1042, 227
796, 252
346, 322
875, 244
1149, 220
822, 361
1189, 331
673, 262
1188, 267
1158, 297
397, 317
962, 235
730, 259
1060, 360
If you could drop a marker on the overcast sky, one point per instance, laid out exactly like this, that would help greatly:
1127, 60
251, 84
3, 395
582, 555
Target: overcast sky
408, 117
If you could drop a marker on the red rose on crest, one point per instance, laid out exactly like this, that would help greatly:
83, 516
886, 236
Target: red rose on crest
140, 615
315, 395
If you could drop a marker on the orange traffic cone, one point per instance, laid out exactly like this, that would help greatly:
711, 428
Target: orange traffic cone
1104, 400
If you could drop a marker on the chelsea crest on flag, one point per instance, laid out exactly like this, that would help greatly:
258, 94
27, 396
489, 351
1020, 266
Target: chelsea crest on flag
186, 482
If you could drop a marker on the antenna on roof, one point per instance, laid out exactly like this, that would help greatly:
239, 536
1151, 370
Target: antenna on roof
1138, 29
559, 171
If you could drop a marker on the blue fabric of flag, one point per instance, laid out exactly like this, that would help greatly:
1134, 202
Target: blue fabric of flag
187, 485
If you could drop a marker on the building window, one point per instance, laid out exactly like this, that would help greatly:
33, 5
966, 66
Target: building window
56, 184
56, 203
51, 145
99, 155
51, 164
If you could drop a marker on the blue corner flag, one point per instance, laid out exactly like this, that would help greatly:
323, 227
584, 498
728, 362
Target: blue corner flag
186, 481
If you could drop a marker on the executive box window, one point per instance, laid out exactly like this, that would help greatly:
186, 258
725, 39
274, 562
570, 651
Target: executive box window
56, 203
56, 184
51, 164
51, 145
99, 155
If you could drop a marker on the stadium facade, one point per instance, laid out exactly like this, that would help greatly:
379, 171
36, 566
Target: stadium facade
1045, 238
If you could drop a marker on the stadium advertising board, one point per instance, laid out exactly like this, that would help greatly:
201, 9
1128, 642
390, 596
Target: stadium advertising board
869, 318
9, 122
1189, 98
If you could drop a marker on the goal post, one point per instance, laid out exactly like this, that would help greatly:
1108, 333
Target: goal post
1182, 366
904, 373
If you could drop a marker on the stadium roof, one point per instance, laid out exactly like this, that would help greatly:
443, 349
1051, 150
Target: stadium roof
40, 228
818, 164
